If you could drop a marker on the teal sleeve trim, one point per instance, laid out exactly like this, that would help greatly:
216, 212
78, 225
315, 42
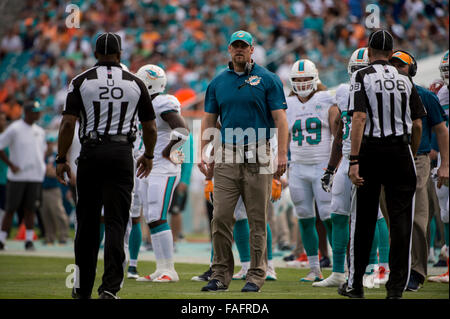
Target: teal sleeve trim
159, 228
169, 111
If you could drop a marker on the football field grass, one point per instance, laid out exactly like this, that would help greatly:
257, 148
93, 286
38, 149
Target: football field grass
30, 277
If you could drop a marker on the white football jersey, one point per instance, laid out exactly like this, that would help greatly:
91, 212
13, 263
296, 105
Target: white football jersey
342, 101
309, 127
443, 98
162, 104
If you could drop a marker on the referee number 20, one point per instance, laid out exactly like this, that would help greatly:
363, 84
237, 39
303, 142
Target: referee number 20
115, 92
390, 84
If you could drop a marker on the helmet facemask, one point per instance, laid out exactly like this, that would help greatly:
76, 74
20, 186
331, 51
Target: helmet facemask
444, 73
304, 88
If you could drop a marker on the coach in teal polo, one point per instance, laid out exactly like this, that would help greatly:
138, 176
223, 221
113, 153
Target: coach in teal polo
250, 103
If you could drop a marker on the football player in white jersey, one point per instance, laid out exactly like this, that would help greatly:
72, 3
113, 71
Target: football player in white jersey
155, 192
442, 188
311, 113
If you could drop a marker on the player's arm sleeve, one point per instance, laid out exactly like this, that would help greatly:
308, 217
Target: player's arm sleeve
416, 105
275, 95
170, 105
144, 105
359, 102
342, 97
74, 102
211, 104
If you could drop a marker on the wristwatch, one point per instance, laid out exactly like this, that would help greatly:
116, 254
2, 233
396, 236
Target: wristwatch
60, 160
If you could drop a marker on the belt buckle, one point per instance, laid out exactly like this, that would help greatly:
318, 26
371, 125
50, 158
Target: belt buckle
93, 135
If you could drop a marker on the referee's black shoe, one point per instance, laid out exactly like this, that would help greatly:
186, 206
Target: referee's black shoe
344, 290
107, 295
394, 295
77, 295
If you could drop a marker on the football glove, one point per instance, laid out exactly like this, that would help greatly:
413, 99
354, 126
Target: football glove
177, 157
276, 190
327, 180
209, 187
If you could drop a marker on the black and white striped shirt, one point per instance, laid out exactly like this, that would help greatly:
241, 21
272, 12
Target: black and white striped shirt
107, 98
388, 97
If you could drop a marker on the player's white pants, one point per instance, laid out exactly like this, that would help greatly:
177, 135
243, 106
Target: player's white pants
239, 211
136, 200
305, 186
442, 195
341, 191
156, 192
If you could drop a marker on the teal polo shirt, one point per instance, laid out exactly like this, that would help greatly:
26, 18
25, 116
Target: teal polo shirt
435, 115
245, 101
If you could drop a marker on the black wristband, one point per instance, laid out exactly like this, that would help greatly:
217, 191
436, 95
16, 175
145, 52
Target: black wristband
60, 160
353, 157
149, 156
353, 163
331, 169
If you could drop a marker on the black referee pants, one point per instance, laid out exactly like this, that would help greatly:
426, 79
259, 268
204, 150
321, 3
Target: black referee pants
104, 178
390, 165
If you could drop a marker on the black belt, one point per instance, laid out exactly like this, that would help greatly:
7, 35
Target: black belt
400, 139
102, 139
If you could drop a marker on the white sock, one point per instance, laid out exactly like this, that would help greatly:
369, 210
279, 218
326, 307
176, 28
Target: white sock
314, 263
246, 265
29, 233
163, 248
270, 264
133, 262
3, 236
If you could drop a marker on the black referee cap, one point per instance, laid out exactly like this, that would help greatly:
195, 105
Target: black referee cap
108, 43
381, 40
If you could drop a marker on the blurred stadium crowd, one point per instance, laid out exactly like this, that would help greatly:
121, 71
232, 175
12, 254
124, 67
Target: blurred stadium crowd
39, 55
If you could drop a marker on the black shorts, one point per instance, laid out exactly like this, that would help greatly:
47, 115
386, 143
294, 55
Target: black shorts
22, 194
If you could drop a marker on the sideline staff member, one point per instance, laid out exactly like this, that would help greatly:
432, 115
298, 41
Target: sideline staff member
434, 121
106, 98
247, 97
387, 114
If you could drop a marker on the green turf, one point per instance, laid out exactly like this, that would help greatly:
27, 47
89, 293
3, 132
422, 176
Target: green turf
42, 278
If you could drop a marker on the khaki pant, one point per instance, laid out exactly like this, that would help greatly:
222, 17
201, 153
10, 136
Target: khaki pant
419, 249
54, 216
231, 181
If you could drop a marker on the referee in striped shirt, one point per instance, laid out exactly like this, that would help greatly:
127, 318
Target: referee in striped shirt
107, 101
386, 132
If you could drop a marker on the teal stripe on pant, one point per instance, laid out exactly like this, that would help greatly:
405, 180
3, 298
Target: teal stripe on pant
135, 241
327, 223
310, 238
373, 258
432, 231
269, 243
102, 232
241, 233
340, 238
167, 196
383, 241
